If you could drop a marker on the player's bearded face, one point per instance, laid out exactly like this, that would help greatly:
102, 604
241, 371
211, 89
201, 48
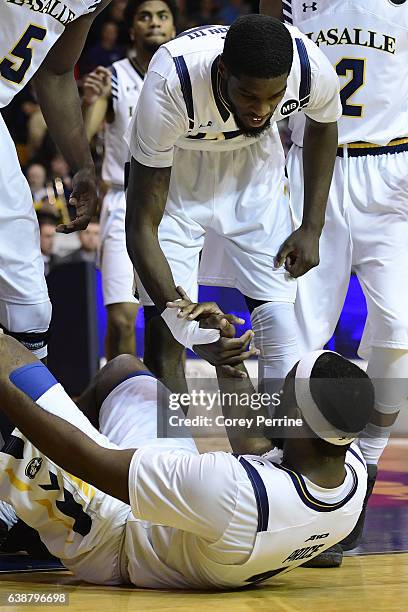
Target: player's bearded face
153, 25
253, 101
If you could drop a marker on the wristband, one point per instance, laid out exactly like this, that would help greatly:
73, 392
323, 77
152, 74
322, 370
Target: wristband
188, 333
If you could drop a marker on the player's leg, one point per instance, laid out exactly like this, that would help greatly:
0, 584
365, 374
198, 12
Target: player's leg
133, 412
251, 222
120, 333
117, 277
25, 310
380, 234
163, 355
77, 523
110, 376
322, 291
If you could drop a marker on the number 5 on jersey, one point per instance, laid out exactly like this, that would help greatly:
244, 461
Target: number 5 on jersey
15, 71
357, 69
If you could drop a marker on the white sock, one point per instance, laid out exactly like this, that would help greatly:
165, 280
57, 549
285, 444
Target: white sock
388, 369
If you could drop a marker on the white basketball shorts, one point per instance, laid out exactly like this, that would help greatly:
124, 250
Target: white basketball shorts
115, 264
234, 204
366, 230
24, 303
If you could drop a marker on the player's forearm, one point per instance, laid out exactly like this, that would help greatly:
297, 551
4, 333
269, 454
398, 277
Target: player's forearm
94, 116
271, 7
236, 394
60, 104
319, 154
147, 191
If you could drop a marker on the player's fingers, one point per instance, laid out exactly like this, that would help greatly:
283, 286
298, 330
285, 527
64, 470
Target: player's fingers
77, 224
237, 343
234, 320
206, 308
178, 304
186, 311
285, 250
183, 293
103, 71
253, 351
235, 360
231, 371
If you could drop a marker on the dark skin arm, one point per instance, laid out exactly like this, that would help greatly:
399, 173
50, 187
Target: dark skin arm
300, 252
271, 7
145, 203
70, 448
146, 199
243, 441
58, 97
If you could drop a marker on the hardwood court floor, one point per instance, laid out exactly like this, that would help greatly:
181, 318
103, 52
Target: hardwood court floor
365, 582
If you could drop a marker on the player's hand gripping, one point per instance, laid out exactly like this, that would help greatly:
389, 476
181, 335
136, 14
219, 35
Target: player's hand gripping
300, 252
97, 84
84, 197
228, 351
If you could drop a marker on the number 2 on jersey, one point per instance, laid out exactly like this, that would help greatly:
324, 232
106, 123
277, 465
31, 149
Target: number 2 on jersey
357, 69
15, 71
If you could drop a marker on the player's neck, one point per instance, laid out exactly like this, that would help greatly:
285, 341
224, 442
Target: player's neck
141, 60
326, 472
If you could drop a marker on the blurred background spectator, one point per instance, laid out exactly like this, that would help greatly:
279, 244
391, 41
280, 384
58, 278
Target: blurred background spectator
48, 220
37, 177
106, 51
89, 241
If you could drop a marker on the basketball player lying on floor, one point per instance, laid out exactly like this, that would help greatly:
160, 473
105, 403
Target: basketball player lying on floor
121, 506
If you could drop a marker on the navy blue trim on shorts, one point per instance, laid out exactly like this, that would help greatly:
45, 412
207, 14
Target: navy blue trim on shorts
261, 495
186, 88
364, 151
305, 73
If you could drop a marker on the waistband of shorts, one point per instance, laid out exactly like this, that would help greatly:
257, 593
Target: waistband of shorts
361, 149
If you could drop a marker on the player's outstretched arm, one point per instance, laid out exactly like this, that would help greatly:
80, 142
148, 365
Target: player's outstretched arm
66, 445
59, 100
146, 199
271, 7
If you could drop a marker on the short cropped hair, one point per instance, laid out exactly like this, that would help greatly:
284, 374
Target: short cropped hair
344, 394
258, 46
133, 6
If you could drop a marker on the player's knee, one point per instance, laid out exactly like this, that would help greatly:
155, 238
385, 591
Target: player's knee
126, 364
121, 320
28, 323
274, 327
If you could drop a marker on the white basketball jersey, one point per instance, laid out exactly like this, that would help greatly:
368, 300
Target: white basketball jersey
182, 103
367, 43
29, 28
267, 519
126, 86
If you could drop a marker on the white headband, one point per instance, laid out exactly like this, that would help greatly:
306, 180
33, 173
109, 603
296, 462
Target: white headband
310, 411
